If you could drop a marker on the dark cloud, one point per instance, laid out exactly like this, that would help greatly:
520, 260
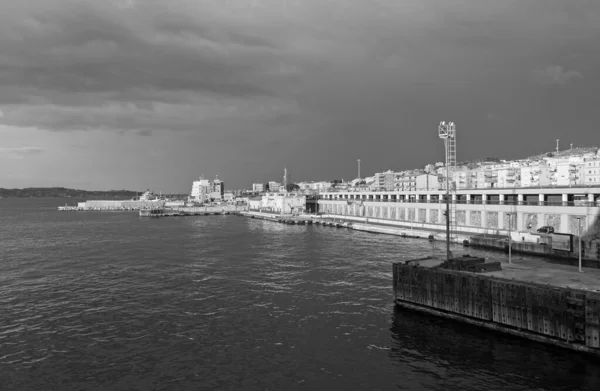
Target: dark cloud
80, 54
340, 77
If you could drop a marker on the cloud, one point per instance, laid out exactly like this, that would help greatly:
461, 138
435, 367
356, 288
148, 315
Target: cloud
19, 152
115, 65
555, 74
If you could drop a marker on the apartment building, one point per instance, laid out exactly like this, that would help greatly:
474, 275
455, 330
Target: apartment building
206, 189
591, 171
509, 177
385, 180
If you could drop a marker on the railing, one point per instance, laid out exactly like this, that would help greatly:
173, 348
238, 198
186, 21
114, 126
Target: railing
537, 186
474, 202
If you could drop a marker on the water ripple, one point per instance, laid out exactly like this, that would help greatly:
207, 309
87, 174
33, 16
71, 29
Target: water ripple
112, 301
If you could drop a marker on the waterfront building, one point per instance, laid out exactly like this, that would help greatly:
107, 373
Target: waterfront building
279, 203
218, 188
254, 203
206, 190
201, 189
485, 211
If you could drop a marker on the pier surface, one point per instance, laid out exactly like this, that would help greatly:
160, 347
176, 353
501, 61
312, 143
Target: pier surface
538, 271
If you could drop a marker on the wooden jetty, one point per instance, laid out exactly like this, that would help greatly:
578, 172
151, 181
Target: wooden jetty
538, 304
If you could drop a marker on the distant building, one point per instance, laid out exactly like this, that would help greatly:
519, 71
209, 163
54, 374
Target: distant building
591, 171
258, 187
207, 190
313, 186
274, 186
201, 189
283, 203
385, 180
427, 182
218, 187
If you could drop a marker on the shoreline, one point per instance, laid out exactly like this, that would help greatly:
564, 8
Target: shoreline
484, 241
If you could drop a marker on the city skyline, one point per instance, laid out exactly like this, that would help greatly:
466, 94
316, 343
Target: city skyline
145, 94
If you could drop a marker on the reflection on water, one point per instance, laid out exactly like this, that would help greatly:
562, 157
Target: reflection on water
459, 356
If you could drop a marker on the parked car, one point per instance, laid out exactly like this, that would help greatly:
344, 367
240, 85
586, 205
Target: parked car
546, 230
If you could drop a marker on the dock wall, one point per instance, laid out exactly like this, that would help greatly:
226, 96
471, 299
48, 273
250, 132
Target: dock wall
561, 316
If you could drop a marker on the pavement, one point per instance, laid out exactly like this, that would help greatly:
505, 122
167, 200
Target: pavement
543, 272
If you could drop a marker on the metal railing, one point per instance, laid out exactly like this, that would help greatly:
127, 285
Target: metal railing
473, 202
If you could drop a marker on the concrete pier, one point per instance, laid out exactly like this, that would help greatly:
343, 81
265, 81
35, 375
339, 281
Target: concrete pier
557, 305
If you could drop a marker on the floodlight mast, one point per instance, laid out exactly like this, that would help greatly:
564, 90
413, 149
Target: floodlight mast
447, 132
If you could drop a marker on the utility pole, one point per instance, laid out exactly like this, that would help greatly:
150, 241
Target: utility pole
579, 236
358, 170
509, 237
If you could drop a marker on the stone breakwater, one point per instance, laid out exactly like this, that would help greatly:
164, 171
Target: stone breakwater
113, 205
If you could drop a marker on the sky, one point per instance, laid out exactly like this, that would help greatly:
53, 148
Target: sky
137, 94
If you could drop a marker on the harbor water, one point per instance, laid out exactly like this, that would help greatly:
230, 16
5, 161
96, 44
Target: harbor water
110, 300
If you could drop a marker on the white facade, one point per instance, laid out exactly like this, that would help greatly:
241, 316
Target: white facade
258, 187
205, 189
201, 189
283, 203
427, 182
591, 171
527, 176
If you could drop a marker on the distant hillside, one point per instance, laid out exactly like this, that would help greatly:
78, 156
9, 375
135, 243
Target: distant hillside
561, 154
565, 153
61, 192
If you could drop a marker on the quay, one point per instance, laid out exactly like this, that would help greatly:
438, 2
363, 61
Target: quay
188, 211
549, 304
484, 217
162, 211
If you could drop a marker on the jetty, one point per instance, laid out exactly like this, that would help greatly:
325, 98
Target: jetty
295, 219
552, 304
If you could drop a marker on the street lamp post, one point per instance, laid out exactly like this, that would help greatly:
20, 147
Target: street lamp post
509, 237
579, 236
